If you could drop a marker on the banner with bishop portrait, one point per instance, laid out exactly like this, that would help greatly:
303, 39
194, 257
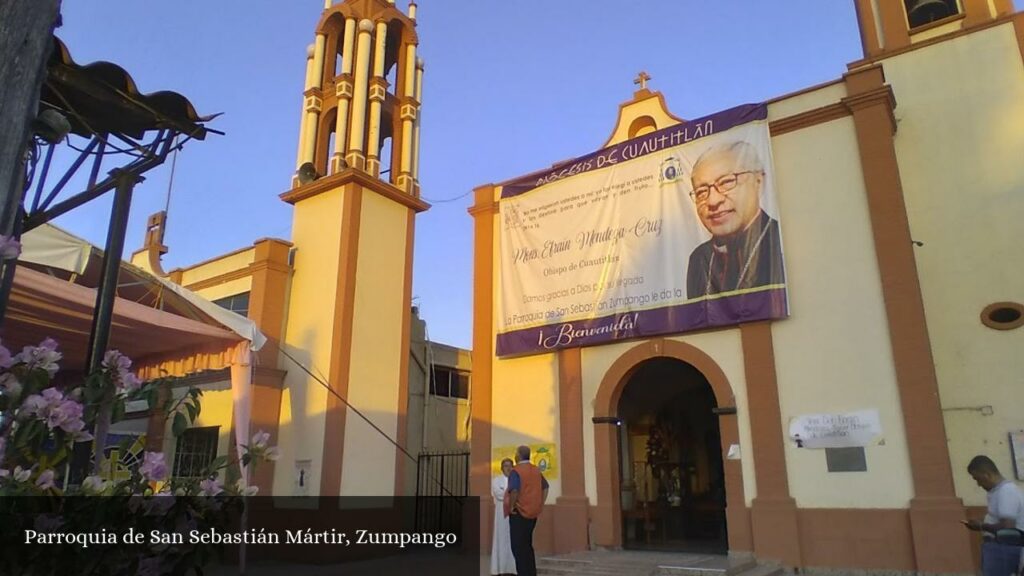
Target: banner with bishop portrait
673, 231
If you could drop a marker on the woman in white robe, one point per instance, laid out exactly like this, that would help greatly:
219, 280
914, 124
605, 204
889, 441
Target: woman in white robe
502, 561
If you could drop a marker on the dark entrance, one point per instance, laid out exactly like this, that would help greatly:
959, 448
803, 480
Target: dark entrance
672, 478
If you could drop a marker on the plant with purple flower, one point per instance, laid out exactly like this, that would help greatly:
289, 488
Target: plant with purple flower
10, 248
153, 468
42, 357
6, 360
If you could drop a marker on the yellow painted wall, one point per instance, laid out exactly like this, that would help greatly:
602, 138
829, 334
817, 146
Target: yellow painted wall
229, 288
310, 320
524, 401
376, 348
524, 405
833, 354
217, 266
960, 146
650, 107
937, 31
216, 410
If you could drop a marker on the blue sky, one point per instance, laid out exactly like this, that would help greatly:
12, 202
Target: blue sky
509, 87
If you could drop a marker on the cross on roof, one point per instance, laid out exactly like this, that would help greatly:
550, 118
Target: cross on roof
641, 80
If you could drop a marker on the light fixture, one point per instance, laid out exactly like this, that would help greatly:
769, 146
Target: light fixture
51, 126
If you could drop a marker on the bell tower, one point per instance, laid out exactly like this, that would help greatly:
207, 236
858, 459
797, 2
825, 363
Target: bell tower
889, 27
355, 195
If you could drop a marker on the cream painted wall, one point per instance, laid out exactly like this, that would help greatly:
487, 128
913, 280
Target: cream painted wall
833, 354
806, 101
376, 348
447, 422
316, 232
960, 146
723, 346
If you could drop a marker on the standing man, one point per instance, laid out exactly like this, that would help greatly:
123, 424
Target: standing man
999, 556
745, 250
527, 493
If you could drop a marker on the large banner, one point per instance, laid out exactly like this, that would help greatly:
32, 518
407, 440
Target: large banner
673, 231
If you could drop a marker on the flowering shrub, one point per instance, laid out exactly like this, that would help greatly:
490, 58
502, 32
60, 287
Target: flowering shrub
39, 424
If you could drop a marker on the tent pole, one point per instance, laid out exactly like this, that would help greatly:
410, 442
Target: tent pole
103, 314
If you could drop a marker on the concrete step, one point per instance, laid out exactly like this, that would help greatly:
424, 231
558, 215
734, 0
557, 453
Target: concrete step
714, 566
600, 563
572, 567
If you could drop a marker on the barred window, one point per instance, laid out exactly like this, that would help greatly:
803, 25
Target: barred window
197, 447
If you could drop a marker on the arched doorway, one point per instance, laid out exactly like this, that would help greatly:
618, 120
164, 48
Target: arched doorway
672, 479
608, 440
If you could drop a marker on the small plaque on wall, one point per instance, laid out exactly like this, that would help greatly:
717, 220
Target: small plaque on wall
846, 459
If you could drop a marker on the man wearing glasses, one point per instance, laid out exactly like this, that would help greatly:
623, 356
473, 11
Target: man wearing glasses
745, 250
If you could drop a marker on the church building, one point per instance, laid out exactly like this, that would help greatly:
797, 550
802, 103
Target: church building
813, 396
778, 331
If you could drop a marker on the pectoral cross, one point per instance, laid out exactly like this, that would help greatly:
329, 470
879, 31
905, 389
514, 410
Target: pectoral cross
641, 80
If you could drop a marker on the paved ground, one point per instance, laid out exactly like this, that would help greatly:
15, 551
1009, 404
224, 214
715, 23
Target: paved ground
426, 564
417, 564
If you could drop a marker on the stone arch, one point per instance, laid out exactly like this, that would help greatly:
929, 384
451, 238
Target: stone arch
607, 516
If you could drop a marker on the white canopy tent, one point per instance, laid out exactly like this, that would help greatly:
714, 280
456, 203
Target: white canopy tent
166, 329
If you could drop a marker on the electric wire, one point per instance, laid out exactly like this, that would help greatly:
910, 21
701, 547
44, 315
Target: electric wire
361, 415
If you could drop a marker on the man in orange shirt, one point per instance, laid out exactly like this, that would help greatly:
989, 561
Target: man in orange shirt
527, 492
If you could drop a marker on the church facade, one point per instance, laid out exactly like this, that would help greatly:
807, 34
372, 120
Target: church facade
899, 191
896, 193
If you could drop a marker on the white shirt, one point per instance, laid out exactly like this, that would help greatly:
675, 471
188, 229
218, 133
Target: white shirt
1006, 501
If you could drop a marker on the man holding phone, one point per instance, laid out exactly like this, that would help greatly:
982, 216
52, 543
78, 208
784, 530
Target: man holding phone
1003, 526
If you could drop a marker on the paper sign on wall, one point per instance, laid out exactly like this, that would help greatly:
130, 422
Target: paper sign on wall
852, 429
542, 456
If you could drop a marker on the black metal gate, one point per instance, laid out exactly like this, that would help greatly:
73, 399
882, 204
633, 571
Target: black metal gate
442, 485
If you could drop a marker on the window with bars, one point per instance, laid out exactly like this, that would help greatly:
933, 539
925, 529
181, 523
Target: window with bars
239, 303
197, 447
449, 382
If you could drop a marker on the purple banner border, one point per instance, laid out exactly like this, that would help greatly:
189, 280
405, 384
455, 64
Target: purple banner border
726, 311
641, 146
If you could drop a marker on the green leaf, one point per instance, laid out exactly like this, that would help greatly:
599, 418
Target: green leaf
217, 463
117, 412
93, 394
180, 424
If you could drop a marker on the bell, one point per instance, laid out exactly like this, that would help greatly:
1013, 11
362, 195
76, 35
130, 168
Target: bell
921, 12
307, 173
